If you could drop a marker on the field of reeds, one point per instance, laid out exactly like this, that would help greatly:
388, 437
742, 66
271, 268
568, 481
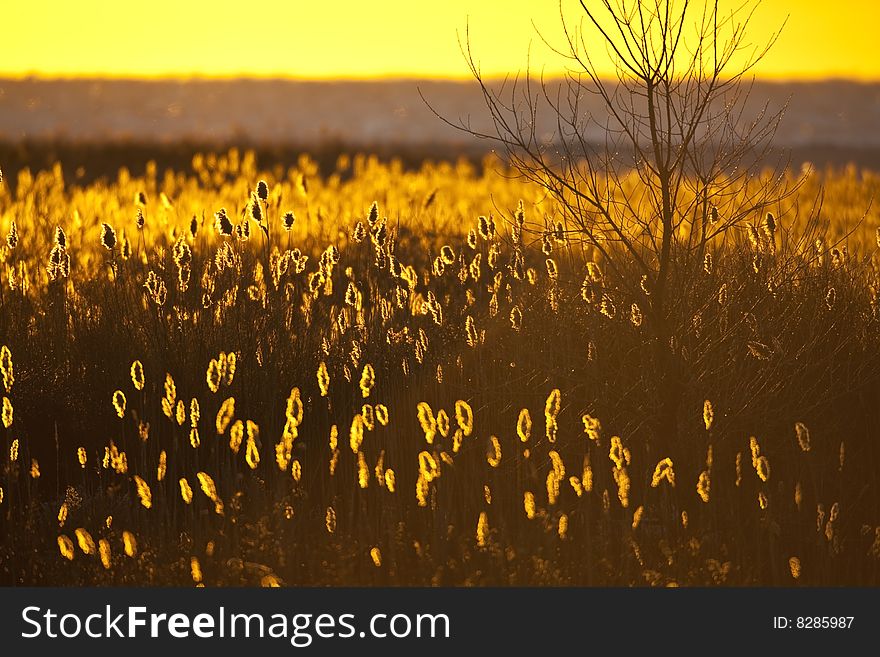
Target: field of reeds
380, 375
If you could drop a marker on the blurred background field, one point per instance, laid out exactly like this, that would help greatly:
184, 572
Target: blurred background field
98, 125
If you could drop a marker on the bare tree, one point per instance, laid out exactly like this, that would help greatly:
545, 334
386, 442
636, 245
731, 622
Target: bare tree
677, 160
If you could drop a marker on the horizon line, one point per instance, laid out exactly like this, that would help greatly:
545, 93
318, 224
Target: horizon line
791, 78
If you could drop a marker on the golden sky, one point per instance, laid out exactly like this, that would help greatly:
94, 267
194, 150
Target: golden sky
363, 39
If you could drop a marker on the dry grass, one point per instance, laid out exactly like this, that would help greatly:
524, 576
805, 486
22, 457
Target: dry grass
375, 391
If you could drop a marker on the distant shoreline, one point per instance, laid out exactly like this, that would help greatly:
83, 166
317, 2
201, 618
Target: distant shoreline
825, 122
392, 78
84, 162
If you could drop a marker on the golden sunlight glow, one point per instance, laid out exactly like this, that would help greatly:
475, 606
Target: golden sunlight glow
390, 38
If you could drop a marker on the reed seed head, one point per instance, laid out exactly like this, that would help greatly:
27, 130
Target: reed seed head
108, 237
